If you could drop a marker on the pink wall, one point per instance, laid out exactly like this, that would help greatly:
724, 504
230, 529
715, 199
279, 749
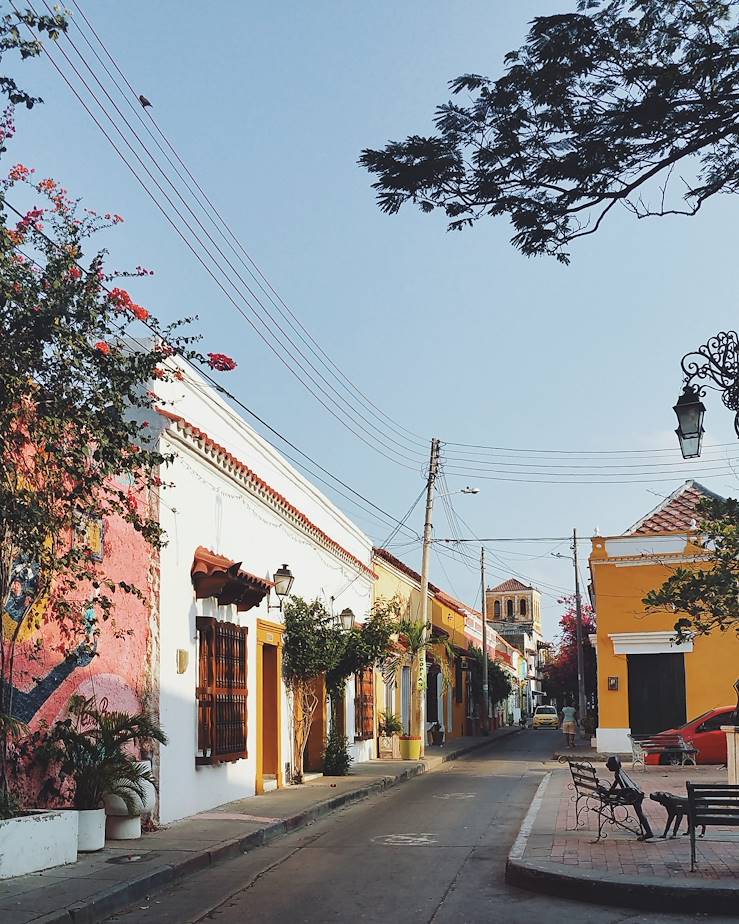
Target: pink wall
45, 679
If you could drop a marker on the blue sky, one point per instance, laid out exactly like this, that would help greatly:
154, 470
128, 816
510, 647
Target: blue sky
453, 335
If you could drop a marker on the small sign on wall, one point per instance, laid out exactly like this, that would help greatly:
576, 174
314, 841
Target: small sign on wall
613, 683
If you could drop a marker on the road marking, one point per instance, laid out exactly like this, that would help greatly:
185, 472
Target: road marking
456, 795
519, 845
406, 840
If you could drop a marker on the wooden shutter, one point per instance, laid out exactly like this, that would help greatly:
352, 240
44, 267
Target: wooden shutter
221, 691
364, 704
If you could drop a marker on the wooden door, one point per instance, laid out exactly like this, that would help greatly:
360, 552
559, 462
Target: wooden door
656, 692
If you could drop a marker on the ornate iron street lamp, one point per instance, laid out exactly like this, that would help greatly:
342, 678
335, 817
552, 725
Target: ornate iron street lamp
283, 581
345, 620
716, 362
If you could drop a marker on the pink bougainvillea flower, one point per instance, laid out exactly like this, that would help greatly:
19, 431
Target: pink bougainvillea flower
74, 272
19, 173
102, 347
221, 362
47, 185
139, 312
120, 298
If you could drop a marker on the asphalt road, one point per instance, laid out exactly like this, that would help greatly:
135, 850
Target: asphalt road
430, 850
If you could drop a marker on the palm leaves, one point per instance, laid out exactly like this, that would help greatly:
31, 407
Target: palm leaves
92, 745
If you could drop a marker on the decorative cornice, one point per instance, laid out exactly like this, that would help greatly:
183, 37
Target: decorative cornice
220, 458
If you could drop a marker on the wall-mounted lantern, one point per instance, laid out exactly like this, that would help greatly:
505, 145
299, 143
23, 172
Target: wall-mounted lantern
283, 581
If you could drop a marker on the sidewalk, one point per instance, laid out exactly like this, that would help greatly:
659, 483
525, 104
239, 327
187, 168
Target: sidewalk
551, 856
126, 871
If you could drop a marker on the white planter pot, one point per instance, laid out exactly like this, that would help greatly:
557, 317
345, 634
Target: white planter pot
121, 826
37, 840
91, 830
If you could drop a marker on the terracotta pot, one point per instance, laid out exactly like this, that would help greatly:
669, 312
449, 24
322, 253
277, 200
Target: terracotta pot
410, 747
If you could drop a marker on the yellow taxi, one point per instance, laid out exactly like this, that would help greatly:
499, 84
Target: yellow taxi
545, 717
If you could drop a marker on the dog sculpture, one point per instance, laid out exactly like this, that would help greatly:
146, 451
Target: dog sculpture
676, 808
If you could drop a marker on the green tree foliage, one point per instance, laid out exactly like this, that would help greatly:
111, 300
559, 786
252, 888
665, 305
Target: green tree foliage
307, 652
15, 35
499, 680
630, 102
314, 646
704, 598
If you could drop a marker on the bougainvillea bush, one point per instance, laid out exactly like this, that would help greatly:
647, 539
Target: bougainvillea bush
77, 362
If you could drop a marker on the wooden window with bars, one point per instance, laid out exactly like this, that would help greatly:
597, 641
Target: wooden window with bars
221, 691
364, 704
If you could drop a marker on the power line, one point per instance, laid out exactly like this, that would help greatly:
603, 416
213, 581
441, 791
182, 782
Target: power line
372, 442
267, 288
389, 518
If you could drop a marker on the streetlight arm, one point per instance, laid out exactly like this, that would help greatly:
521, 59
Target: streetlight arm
716, 362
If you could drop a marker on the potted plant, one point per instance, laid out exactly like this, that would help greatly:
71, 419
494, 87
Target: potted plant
93, 747
388, 742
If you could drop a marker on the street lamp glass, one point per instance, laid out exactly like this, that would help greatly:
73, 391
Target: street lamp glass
283, 579
347, 619
689, 411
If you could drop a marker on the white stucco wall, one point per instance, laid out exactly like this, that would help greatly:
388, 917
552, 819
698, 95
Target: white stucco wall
207, 507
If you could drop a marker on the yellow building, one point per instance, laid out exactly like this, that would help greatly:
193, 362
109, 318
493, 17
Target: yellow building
646, 682
446, 681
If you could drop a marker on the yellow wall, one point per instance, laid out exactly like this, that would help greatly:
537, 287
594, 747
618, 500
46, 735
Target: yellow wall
391, 583
620, 585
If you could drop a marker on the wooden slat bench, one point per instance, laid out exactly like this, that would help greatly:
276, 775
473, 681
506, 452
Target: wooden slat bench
674, 747
711, 804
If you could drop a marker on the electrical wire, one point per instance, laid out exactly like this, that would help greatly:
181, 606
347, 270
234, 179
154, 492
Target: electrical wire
229, 235
266, 287
389, 518
374, 437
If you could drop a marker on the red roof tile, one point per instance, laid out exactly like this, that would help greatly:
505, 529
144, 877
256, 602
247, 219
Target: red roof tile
509, 586
676, 513
246, 472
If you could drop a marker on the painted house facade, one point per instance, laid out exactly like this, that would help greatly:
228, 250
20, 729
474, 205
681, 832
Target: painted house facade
646, 681
238, 511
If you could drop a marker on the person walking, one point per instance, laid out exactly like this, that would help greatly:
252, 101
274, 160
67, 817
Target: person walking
569, 723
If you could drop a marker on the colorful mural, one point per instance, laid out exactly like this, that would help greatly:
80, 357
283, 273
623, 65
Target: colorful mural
109, 658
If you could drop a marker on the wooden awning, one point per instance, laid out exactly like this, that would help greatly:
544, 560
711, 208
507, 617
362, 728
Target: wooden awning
217, 576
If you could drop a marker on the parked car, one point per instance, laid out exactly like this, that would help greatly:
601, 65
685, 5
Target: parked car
705, 734
545, 717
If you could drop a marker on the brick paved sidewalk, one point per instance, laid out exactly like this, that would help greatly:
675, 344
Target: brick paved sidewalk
551, 854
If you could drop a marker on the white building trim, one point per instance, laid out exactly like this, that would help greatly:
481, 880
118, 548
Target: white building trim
625, 643
613, 740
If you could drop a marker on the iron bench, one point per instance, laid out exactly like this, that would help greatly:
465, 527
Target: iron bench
674, 747
605, 800
711, 804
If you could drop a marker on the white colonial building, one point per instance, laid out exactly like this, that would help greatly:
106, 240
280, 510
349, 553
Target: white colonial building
237, 513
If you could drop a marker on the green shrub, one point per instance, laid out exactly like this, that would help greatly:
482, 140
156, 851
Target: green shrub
336, 759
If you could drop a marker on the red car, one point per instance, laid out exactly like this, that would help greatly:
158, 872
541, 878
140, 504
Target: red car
705, 734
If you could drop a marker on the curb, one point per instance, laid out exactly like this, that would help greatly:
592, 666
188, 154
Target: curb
720, 897
121, 894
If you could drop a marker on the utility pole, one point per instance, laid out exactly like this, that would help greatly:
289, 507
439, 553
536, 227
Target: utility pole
483, 608
582, 704
418, 717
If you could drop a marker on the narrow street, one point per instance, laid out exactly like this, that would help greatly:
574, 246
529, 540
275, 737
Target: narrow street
431, 850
